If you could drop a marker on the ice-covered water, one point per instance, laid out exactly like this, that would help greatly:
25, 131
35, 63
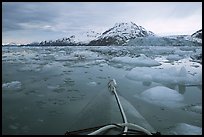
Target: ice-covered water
46, 89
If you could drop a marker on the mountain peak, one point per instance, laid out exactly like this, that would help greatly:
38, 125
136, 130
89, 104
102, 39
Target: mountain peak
197, 34
124, 24
121, 33
127, 28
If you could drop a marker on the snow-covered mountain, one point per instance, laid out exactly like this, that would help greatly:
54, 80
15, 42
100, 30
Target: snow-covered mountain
197, 34
84, 37
175, 40
120, 34
11, 44
76, 39
124, 34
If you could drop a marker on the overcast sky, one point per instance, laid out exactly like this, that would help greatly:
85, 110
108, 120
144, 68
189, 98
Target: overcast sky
25, 22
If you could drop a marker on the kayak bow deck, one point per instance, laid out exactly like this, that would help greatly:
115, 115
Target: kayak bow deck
124, 128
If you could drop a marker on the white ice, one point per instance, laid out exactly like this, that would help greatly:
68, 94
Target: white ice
185, 129
77, 56
159, 50
173, 57
142, 60
19, 55
171, 75
197, 108
92, 83
162, 96
12, 85
183, 53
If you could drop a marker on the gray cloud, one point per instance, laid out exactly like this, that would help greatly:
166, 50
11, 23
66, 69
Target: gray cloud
56, 19
15, 14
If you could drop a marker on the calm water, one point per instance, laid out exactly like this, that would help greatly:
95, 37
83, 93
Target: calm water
57, 85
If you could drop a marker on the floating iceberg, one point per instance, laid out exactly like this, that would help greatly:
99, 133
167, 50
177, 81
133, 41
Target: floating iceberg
185, 129
174, 57
164, 75
12, 85
92, 83
162, 96
142, 60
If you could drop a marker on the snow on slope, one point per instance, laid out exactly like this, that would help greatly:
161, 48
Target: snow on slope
195, 37
126, 31
121, 33
197, 34
86, 37
74, 39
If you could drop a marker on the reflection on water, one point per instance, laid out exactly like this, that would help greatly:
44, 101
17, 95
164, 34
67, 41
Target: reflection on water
146, 83
182, 89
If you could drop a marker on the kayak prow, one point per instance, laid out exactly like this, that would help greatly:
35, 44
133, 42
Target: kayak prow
109, 113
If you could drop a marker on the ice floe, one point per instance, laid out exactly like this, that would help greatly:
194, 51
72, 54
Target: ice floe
142, 60
162, 96
183, 53
77, 56
169, 75
185, 129
197, 108
12, 85
174, 57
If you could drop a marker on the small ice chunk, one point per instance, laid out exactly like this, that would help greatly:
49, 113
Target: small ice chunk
183, 53
77, 56
197, 109
85, 55
12, 85
161, 95
52, 87
194, 108
92, 83
174, 57
13, 127
40, 120
185, 129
